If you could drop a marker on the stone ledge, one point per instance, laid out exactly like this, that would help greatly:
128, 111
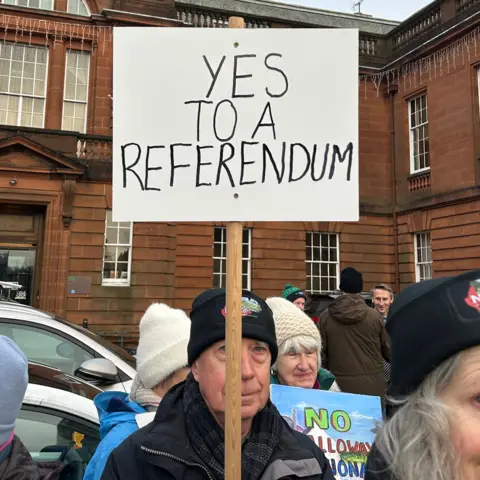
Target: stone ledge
294, 14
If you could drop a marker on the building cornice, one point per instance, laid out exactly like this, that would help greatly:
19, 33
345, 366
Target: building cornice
302, 16
140, 18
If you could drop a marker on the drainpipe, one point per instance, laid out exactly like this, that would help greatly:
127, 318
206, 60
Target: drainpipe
393, 89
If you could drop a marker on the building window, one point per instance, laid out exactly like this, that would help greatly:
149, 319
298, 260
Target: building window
23, 81
78, 7
423, 257
117, 252
42, 4
322, 262
220, 257
419, 142
76, 92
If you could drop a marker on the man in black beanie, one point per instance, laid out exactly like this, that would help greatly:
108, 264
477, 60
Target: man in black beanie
354, 340
186, 439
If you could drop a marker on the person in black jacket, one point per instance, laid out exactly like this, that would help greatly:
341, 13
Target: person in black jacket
433, 423
186, 439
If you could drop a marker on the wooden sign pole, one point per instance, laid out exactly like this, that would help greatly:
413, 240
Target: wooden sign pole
233, 423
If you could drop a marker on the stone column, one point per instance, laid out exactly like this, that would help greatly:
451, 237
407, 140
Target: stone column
56, 79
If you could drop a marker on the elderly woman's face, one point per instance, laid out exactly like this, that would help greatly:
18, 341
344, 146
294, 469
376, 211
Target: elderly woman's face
462, 395
298, 369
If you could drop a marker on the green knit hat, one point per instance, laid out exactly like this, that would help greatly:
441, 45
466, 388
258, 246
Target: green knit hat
291, 293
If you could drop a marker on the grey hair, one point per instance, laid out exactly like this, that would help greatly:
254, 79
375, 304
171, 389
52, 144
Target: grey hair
415, 442
299, 344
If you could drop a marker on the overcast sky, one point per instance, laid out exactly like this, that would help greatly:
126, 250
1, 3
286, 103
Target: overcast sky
390, 9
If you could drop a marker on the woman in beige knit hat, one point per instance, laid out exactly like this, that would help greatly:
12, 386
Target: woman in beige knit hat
299, 346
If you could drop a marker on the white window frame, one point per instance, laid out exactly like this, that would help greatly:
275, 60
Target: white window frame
89, 13
117, 282
478, 87
411, 134
21, 96
422, 241
223, 258
68, 100
310, 261
28, 6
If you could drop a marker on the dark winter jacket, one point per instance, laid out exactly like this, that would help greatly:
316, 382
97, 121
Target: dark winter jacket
19, 465
377, 468
162, 450
354, 345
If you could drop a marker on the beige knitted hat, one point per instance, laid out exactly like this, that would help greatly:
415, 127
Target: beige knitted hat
290, 321
162, 348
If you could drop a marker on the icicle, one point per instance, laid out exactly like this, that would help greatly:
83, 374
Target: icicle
6, 31
378, 83
454, 56
56, 35
388, 81
17, 29
475, 43
404, 75
71, 35
104, 40
83, 36
421, 72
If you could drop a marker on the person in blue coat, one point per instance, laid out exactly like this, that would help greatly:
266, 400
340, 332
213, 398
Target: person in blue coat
161, 364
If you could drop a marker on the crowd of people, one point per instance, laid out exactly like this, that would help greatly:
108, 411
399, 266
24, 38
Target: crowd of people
419, 352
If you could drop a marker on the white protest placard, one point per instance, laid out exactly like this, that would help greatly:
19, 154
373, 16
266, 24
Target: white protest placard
235, 125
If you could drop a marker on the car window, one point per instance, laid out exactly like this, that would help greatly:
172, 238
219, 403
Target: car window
45, 347
50, 436
115, 349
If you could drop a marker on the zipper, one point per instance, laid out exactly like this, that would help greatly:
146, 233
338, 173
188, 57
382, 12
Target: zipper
178, 459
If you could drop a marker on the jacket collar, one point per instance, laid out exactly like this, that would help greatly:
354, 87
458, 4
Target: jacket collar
167, 440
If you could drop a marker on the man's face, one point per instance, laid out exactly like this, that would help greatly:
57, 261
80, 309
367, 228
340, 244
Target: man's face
209, 371
382, 299
300, 303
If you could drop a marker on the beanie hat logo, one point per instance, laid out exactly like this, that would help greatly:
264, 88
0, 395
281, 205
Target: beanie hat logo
473, 298
249, 307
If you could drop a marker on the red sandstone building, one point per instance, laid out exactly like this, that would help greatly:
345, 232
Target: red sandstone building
419, 162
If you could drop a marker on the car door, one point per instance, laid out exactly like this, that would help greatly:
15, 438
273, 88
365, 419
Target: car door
44, 346
51, 435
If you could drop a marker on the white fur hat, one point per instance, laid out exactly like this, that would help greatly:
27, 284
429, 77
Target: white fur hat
291, 322
162, 347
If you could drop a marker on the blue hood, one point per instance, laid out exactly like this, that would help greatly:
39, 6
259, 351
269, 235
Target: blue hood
115, 408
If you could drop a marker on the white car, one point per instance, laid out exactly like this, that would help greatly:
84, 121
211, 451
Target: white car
58, 420
74, 350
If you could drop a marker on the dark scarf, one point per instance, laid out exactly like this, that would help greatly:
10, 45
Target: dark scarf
208, 439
